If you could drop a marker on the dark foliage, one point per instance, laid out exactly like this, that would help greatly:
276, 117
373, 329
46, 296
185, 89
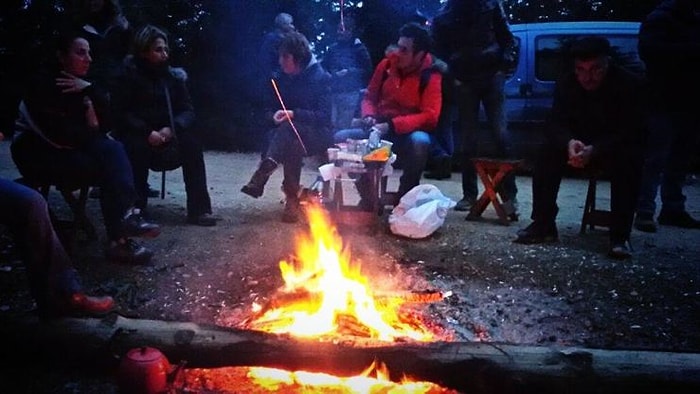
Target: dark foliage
217, 42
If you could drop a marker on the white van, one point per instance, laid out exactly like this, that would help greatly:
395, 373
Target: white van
543, 52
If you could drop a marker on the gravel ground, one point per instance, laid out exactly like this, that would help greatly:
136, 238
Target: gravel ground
563, 294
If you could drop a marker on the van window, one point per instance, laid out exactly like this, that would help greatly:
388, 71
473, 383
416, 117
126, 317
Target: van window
551, 54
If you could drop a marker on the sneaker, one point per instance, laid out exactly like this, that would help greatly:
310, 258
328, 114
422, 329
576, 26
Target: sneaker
136, 226
204, 220
645, 222
129, 252
464, 204
678, 219
620, 250
537, 233
79, 305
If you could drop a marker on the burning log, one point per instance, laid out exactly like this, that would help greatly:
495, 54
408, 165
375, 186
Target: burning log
468, 367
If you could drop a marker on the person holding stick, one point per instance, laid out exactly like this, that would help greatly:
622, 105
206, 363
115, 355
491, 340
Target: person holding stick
300, 120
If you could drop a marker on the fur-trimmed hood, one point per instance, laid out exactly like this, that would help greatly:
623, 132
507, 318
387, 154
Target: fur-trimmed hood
132, 63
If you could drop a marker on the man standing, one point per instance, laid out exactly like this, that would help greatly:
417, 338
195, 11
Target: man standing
267, 58
402, 104
474, 38
669, 44
595, 123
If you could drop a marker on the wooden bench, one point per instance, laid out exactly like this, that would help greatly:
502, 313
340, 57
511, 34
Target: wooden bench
492, 172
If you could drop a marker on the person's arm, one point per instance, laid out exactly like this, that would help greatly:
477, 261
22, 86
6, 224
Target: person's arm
317, 110
183, 109
426, 118
369, 101
557, 129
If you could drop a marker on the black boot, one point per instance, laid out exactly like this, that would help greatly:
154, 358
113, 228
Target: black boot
292, 209
291, 188
442, 169
256, 185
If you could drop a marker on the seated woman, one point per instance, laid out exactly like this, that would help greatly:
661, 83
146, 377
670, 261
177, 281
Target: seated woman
154, 106
62, 140
303, 129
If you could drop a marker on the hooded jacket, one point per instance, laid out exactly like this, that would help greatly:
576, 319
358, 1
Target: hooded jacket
396, 98
142, 103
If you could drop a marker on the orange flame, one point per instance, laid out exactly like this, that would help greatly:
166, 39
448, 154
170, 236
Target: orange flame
374, 379
323, 291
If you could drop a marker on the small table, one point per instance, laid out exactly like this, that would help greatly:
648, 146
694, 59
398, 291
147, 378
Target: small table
492, 172
354, 214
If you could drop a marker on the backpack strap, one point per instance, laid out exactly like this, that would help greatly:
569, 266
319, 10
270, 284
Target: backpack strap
424, 77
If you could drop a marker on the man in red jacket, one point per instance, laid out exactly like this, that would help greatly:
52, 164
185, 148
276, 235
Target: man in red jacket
402, 104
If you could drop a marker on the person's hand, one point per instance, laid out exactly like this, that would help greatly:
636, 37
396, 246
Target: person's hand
581, 155
90, 114
282, 115
2, 136
575, 146
166, 133
155, 138
71, 83
383, 128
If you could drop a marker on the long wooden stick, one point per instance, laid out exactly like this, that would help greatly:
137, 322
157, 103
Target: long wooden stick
289, 118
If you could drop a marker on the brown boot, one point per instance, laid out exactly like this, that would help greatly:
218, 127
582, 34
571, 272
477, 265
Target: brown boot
256, 185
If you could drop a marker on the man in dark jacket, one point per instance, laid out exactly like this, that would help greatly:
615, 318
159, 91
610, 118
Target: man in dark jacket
669, 44
301, 126
474, 38
348, 62
596, 122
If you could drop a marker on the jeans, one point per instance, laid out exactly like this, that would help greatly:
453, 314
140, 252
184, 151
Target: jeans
286, 149
413, 148
669, 148
25, 213
470, 96
102, 162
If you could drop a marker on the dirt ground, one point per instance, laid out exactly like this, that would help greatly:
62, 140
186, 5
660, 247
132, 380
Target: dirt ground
563, 294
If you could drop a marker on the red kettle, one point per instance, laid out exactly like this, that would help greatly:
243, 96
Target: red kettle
144, 370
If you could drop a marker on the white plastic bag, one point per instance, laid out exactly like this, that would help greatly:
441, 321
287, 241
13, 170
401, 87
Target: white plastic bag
420, 212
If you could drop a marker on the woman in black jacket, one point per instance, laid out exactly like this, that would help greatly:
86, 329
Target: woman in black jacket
62, 140
301, 128
154, 108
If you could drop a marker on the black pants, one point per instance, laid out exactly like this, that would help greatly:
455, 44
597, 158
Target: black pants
193, 171
623, 168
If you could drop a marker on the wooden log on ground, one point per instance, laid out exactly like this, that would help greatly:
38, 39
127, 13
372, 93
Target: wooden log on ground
468, 367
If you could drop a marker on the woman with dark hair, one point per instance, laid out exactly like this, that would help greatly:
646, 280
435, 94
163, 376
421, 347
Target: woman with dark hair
154, 108
303, 129
62, 141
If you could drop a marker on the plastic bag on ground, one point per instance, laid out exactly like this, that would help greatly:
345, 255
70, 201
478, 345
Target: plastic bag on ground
420, 212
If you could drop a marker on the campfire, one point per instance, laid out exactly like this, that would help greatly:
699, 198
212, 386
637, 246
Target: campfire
325, 294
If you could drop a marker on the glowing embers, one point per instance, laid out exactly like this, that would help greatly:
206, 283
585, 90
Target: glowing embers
326, 294
252, 380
